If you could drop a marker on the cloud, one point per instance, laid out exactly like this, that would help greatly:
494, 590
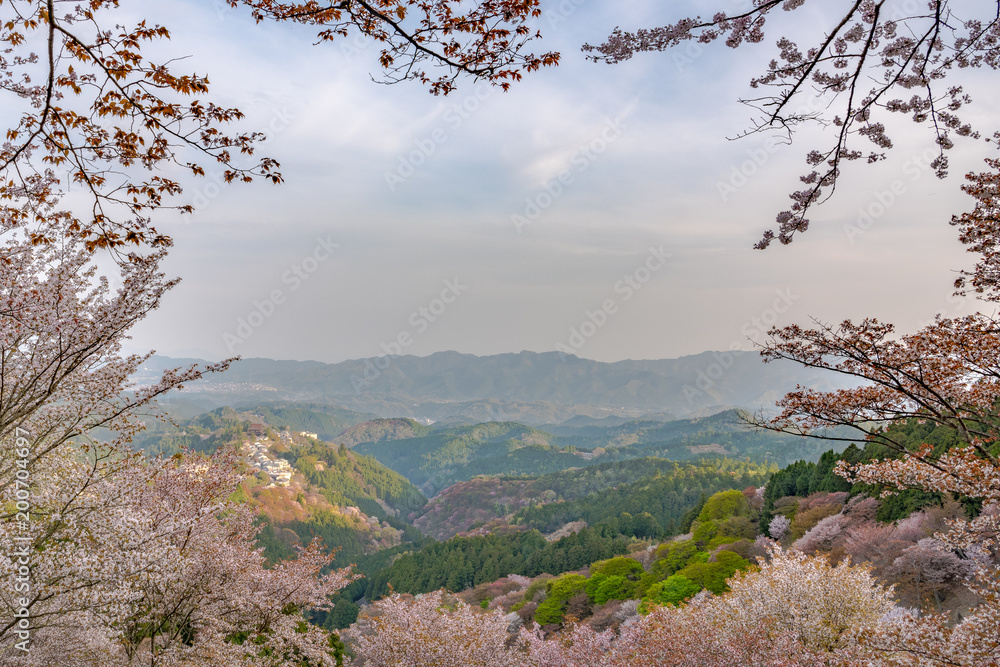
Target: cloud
417, 190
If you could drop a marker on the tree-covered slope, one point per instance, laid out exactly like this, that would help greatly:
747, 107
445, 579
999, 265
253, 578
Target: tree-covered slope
379, 430
650, 507
446, 456
804, 478
485, 501
441, 458
468, 561
347, 477
326, 421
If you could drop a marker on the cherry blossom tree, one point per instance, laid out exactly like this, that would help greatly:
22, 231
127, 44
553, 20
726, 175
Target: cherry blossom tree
110, 558
795, 610
575, 646
779, 526
925, 572
690, 637
947, 374
819, 604
821, 537
868, 59
433, 629
873, 543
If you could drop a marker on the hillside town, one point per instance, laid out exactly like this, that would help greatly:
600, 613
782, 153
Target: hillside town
279, 471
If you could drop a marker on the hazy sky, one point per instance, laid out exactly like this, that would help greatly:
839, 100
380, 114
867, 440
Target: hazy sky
490, 222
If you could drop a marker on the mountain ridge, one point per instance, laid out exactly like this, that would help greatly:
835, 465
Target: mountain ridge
530, 387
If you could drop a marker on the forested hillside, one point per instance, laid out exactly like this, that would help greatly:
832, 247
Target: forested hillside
609, 520
654, 507
804, 478
326, 421
662, 503
725, 536
443, 457
347, 477
349, 500
549, 501
378, 430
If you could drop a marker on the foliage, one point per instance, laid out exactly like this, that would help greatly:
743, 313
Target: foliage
666, 498
712, 575
802, 479
673, 556
673, 590
558, 592
465, 562
602, 587
484, 40
723, 505
378, 430
345, 474
618, 567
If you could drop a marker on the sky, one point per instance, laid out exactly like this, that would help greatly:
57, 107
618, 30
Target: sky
603, 210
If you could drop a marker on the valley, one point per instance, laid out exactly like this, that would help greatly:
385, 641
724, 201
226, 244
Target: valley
382, 490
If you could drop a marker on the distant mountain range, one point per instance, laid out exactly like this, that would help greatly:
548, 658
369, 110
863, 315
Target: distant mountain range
528, 387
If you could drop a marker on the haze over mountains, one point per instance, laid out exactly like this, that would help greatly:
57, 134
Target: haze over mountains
528, 387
